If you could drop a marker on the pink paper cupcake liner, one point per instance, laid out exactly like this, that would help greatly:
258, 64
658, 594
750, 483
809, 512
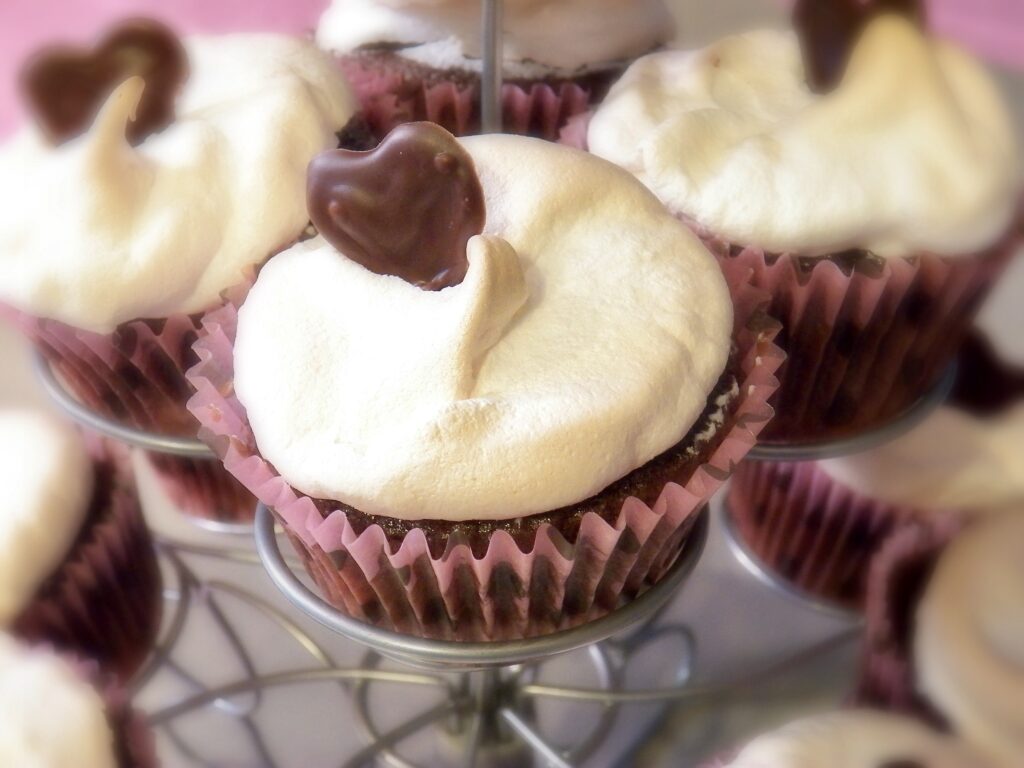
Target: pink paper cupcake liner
136, 376
508, 592
392, 95
574, 132
898, 577
103, 603
814, 532
861, 348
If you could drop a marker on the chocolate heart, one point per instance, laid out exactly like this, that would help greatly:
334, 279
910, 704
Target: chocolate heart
829, 29
65, 86
407, 208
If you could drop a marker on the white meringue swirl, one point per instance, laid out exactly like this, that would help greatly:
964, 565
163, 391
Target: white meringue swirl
913, 152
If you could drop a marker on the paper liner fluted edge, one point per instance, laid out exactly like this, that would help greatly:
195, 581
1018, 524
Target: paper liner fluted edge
863, 348
389, 97
507, 592
813, 531
103, 602
899, 575
136, 376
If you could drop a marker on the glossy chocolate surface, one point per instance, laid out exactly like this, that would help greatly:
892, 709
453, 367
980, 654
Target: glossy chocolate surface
65, 86
407, 208
829, 29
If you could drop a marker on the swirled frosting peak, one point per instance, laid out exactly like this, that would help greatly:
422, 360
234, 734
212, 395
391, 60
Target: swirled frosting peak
913, 151
96, 232
541, 37
52, 718
584, 341
969, 638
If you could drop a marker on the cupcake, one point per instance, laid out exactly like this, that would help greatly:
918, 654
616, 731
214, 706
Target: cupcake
875, 208
421, 60
77, 567
56, 716
820, 524
157, 173
965, 628
490, 398
854, 739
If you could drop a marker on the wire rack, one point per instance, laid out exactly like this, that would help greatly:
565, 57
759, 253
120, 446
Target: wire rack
487, 694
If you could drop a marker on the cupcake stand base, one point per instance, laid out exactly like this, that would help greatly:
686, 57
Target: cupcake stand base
482, 704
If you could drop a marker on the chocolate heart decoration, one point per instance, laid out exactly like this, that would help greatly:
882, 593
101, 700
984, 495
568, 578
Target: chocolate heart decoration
829, 29
65, 86
407, 208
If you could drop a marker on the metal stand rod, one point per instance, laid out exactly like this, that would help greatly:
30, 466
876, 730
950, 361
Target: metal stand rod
493, 60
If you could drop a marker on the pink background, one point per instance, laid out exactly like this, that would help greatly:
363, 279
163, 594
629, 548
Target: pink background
993, 27
25, 24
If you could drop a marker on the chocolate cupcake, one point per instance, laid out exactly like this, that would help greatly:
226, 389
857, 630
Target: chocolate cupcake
490, 398
854, 739
820, 524
875, 208
59, 715
964, 623
77, 567
413, 60
157, 173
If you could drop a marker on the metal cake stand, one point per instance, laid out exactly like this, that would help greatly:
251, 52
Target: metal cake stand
486, 698
486, 710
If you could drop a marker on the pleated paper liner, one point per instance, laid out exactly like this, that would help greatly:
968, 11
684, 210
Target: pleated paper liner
136, 376
103, 603
898, 579
392, 92
508, 592
814, 532
865, 346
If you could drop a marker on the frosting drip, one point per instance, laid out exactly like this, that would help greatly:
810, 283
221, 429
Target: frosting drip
952, 461
969, 641
583, 342
51, 717
542, 37
854, 739
48, 479
732, 137
96, 232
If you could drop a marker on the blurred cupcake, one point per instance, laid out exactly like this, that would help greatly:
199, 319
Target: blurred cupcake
965, 624
421, 59
77, 567
57, 716
870, 185
820, 524
854, 739
157, 175
485, 403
